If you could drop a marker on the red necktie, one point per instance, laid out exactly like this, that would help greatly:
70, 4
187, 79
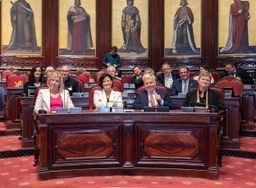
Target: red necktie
152, 100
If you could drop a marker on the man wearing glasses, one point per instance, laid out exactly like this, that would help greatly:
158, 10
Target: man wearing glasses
167, 77
70, 83
184, 84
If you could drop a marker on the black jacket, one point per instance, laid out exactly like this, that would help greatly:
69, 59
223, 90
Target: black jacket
243, 74
213, 97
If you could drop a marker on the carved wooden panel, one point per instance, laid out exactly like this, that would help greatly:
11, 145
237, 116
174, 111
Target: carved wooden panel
134, 143
86, 145
171, 145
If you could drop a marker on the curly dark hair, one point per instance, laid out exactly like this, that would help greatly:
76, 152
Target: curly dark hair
31, 77
102, 77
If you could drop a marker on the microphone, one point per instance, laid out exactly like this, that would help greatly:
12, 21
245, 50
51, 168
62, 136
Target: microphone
200, 104
194, 103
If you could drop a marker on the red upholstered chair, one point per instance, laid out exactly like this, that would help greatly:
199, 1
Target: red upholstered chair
119, 84
158, 87
13, 80
87, 74
6, 73
125, 79
192, 74
81, 84
220, 91
84, 78
159, 72
91, 94
215, 76
98, 75
230, 81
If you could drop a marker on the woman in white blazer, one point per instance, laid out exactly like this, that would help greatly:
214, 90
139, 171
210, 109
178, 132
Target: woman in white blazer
107, 97
53, 97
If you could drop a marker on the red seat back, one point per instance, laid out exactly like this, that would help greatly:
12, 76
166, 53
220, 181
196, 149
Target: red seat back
119, 84
84, 78
98, 75
87, 74
215, 76
230, 81
13, 80
125, 79
91, 95
6, 73
158, 87
81, 84
192, 75
159, 72
220, 91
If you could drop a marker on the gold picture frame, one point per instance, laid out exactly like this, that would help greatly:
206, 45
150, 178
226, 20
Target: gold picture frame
173, 45
27, 24
246, 43
138, 21
80, 21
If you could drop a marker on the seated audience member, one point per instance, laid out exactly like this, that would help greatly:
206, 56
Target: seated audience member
151, 96
184, 84
112, 71
48, 71
107, 97
239, 73
70, 83
35, 78
167, 77
112, 58
203, 95
53, 97
149, 71
137, 78
201, 69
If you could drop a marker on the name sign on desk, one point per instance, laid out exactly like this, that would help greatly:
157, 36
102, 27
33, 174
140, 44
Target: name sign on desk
61, 110
76, 110
104, 109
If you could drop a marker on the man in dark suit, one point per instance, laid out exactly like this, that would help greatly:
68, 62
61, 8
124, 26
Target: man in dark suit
151, 96
137, 78
239, 73
184, 84
168, 76
70, 83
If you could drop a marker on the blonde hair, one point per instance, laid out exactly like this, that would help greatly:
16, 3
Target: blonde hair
205, 73
56, 74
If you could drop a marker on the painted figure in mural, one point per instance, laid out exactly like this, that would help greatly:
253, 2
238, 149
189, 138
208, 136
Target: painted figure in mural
23, 27
183, 35
238, 28
131, 29
79, 30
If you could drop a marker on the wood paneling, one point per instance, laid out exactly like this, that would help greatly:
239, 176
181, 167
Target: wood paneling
134, 143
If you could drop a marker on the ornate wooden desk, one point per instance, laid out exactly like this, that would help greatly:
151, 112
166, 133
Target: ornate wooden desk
231, 131
133, 143
27, 123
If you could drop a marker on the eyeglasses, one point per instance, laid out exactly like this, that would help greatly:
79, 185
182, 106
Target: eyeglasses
184, 72
64, 70
165, 69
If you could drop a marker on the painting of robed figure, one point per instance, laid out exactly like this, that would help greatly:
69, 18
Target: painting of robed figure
238, 39
180, 37
22, 38
131, 36
79, 38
